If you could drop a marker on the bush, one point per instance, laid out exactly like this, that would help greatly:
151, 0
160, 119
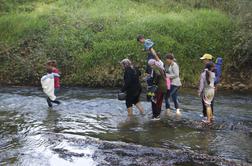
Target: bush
88, 38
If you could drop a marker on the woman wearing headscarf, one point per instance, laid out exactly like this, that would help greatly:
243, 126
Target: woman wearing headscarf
159, 81
131, 86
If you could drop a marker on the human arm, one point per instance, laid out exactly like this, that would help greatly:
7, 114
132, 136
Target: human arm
127, 80
51, 76
153, 52
201, 85
55, 75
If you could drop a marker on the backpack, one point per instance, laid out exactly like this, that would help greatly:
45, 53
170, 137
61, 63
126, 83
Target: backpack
218, 68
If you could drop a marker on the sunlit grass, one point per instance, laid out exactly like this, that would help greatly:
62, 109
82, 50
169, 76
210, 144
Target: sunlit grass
86, 33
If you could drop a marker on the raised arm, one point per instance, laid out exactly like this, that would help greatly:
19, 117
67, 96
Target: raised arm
154, 54
201, 85
55, 75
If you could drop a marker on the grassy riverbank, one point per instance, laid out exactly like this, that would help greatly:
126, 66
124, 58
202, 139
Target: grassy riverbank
89, 37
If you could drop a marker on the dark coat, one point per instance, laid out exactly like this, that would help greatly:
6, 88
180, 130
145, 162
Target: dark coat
132, 84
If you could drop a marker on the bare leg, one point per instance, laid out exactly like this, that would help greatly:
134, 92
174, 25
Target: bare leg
140, 107
130, 111
209, 114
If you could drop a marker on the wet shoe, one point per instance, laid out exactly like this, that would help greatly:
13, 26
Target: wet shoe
168, 112
155, 118
154, 100
49, 103
142, 113
178, 112
204, 119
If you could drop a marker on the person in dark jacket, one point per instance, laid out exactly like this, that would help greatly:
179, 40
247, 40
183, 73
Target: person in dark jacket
132, 86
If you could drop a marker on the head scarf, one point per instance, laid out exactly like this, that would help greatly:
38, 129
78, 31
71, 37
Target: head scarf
156, 63
126, 63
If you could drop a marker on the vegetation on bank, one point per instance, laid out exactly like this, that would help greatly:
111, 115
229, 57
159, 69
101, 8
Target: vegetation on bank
89, 37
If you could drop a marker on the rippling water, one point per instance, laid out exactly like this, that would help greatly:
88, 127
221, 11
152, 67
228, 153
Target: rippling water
91, 127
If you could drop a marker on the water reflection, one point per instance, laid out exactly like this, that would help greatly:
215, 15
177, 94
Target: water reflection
32, 133
51, 120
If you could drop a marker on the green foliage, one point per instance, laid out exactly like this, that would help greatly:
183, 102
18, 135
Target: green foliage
89, 37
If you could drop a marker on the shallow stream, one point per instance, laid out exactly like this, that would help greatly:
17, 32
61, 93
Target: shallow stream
91, 127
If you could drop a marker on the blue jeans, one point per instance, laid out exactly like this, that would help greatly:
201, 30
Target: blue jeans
174, 94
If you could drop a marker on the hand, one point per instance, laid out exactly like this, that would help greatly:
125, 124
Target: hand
215, 89
199, 94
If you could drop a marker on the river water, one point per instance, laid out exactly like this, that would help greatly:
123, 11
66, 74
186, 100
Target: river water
91, 127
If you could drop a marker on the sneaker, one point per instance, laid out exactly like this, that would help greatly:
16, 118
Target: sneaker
178, 112
142, 113
154, 100
49, 103
204, 119
168, 111
155, 118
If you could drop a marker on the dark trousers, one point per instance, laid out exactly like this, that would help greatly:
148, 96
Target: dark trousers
49, 102
149, 82
56, 91
174, 95
204, 109
156, 106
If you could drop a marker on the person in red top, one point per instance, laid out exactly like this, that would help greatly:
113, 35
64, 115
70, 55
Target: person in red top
56, 79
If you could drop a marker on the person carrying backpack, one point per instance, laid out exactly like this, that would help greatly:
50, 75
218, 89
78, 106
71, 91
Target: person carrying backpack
47, 82
208, 59
207, 89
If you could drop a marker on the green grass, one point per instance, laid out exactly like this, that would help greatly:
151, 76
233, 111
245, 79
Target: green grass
89, 37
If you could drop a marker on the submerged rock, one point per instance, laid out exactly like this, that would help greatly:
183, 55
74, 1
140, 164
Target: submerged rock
119, 153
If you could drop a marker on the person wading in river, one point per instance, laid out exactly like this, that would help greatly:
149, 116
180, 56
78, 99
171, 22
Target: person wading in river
56, 79
151, 54
206, 89
172, 72
47, 82
159, 85
132, 86
207, 59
